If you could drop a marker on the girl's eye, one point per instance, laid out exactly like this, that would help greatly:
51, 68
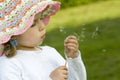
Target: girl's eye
41, 18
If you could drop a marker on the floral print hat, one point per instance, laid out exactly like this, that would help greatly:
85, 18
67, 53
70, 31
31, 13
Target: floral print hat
16, 16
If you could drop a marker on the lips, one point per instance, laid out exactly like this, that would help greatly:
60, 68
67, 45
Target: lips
43, 36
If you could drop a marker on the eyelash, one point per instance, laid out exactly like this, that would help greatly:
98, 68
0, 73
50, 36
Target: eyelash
35, 23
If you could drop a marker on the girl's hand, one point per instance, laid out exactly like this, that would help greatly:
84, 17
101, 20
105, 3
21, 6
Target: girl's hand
59, 74
71, 46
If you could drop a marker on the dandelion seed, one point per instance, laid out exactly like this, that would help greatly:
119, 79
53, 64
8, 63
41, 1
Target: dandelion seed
81, 40
104, 50
95, 33
77, 35
83, 24
61, 29
83, 29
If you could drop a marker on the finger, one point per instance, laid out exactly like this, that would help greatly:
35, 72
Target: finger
71, 37
65, 72
63, 68
71, 41
65, 77
71, 45
73, 49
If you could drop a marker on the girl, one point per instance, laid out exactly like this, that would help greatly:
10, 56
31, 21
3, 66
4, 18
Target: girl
22, 30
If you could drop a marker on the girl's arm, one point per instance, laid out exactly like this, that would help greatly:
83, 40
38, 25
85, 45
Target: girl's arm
76, 69
75, 64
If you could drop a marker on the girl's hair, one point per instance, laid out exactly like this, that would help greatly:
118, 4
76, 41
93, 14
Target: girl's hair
9, 50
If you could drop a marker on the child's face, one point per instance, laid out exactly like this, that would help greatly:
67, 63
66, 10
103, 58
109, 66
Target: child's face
34, 35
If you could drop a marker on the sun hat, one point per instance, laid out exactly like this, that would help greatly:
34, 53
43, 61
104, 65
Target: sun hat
16, 16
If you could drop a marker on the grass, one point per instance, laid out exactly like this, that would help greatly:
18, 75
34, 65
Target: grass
97, 27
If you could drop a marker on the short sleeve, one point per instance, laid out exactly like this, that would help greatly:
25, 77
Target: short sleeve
9, 70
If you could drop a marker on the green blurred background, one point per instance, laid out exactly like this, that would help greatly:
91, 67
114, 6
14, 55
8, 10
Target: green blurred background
96, 24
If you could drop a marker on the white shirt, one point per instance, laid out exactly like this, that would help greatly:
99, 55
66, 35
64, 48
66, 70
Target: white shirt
37, 65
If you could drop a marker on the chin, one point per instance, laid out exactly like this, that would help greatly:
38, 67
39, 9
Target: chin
40, 43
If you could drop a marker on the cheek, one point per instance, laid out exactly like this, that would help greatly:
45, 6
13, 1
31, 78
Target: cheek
31, 35
31, 38
35, 37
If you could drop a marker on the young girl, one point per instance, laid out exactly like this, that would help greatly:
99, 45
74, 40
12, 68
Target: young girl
22, 30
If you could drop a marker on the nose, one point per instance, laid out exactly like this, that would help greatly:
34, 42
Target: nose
42, 24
